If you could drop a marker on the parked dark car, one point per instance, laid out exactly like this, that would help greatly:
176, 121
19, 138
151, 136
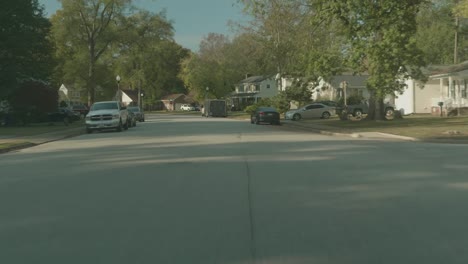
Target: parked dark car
81, 109
265, 115
132, 119
65, 115
139, 114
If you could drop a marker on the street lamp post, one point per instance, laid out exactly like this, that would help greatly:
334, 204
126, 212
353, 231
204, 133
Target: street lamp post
119, 94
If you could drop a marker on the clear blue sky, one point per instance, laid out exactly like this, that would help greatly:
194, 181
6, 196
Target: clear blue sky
192, 19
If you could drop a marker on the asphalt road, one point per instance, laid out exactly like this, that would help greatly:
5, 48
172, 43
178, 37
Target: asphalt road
186, 189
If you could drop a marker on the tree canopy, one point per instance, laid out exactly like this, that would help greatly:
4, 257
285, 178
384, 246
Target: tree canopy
25, 50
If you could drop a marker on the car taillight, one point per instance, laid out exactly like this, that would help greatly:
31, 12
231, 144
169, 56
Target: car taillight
261, 113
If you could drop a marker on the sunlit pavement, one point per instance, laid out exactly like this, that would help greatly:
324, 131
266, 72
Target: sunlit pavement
187, 189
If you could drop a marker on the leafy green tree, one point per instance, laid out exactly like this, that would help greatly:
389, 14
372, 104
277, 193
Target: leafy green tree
83, 31
33, 100
380, 36
148, 57
25, 51
435, 31
293, 45
209, 68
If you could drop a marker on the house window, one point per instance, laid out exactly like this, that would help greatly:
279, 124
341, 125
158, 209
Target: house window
257, 87
75, 94
268, 86
357, 92
240, 89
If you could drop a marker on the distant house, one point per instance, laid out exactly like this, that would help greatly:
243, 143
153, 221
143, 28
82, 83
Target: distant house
173, 102
70, 95
130, 97
333, 88
252, 89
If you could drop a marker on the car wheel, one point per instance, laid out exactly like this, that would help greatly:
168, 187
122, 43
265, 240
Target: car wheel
126, 125
297, 117
257, 122
119, 128
357, 113
326, 115
389, 113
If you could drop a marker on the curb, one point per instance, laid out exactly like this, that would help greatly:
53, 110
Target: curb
17, 147
29, 144
353, 135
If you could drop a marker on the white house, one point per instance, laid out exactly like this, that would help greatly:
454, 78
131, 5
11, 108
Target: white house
447, 84
252, 89
333, 88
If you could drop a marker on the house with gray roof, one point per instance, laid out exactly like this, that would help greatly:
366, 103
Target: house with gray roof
332, 89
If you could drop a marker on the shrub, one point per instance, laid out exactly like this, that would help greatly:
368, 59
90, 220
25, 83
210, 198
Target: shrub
32, 100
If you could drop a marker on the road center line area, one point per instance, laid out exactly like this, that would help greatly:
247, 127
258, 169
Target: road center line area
189, 189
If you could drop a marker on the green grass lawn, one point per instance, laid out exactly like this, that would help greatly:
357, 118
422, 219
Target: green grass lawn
418, 126
12, 144
37, 128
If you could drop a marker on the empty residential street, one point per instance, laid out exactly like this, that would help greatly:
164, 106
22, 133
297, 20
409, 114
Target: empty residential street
187, 189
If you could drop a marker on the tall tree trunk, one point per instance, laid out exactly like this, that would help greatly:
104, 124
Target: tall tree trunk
91, 71
378, 115
371, 111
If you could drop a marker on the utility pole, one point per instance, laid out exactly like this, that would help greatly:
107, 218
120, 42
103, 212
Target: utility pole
455, 61
455, 50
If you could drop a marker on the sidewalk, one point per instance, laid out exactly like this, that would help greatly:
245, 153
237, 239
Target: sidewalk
30, 141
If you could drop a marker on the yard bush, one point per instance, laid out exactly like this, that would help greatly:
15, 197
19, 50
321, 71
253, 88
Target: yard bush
32, 101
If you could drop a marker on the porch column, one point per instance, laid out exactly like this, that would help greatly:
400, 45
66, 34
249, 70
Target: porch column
441, 89
450, 85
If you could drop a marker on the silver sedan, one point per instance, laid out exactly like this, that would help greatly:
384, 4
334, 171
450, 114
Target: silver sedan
315, 110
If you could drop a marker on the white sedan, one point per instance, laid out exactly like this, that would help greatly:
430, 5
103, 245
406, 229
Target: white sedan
315, 110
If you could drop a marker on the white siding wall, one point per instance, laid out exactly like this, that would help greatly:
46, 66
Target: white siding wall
266, 92
405, 101
426, 96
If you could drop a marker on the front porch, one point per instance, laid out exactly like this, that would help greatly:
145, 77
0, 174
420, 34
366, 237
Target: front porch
240, 101
453, 87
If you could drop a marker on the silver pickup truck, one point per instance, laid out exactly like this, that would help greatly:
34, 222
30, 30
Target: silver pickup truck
107, 115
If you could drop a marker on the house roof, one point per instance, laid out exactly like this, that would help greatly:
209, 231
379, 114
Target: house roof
171, 97
254, 79
352, 80
133, 94
434, 70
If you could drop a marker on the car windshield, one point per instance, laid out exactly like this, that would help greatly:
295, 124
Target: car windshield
267, 109
102, 106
